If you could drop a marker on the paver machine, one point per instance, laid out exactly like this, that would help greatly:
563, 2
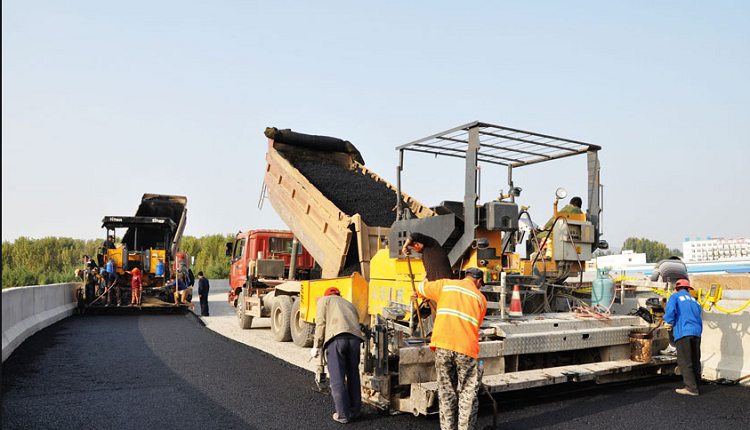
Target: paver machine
150, 243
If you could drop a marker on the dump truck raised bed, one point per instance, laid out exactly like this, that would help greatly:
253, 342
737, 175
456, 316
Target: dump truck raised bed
335, 206
550, 345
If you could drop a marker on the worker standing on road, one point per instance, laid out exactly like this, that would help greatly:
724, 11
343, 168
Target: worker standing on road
203, 288
113, 284
434, 258
337, 330
455, 339
683, 317
136, 284
101, 286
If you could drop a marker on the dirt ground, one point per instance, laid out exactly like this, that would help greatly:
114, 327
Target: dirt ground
731, 281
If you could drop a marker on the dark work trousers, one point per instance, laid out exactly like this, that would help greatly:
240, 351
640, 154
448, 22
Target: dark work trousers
343, 365
204, 305
689, 360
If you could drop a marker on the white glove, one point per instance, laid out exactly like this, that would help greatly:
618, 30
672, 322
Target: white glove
314, 352
669, 326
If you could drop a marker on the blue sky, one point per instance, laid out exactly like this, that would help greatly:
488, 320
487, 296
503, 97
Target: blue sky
103, 102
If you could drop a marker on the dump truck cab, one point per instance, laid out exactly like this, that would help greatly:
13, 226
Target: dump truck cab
261, 261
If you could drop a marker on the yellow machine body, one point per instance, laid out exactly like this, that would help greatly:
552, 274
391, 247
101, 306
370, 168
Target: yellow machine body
352, 288
116, 256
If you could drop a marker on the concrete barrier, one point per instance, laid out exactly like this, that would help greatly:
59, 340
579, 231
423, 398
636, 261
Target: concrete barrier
27, 310
725, 344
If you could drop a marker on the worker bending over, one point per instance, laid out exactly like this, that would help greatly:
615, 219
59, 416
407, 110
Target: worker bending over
434, 258
455, 339
337, 330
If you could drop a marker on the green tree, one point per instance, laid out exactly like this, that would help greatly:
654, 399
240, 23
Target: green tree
654, 250
53, 260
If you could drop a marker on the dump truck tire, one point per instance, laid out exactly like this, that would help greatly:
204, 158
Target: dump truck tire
244, 320
302, 331
281, 313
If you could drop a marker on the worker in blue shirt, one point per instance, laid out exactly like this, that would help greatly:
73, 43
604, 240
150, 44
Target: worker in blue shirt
683, 317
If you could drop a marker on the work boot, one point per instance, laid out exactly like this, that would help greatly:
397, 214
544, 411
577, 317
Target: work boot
670, 350
686, 392
339, 420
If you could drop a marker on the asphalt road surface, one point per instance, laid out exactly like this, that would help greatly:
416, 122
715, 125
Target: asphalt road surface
170, 372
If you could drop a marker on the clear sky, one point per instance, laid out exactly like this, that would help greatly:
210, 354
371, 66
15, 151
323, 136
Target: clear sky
105, 101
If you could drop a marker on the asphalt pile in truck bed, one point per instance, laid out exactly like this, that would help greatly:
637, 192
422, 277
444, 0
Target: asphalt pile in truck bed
352, 191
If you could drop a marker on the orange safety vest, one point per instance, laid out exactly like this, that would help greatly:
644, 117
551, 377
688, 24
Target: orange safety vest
460, 312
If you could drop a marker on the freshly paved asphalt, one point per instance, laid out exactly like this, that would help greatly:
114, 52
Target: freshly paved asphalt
169, 372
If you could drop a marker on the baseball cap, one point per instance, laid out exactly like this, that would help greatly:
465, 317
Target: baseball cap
474, 273
332, 290
683, 283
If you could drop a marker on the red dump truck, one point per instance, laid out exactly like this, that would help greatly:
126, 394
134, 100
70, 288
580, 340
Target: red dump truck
265, 267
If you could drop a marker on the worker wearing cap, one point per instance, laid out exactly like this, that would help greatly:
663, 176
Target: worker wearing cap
101, 285
683, 317
136, 285
91, 277
455, 339
112, 283
337, 329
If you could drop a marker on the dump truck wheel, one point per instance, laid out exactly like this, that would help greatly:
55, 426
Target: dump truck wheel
281, 312
302, 331
244, 320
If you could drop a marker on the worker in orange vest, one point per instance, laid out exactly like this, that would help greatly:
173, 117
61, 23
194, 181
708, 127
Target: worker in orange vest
461, 308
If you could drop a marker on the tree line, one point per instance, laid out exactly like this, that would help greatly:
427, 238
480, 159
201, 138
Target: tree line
654, 250
52, 260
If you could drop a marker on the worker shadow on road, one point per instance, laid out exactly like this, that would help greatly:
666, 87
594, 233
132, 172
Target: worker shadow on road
551, 407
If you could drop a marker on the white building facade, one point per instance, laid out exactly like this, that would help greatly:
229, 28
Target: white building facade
621, 261
715, 248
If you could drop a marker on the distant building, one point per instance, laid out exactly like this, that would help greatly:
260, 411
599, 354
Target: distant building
621, 261
715, 248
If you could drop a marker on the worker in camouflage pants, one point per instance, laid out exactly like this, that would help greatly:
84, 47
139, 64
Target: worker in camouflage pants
458, 378
461, 308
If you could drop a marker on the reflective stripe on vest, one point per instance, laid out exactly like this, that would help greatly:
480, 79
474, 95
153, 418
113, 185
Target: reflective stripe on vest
463, 290
458, 314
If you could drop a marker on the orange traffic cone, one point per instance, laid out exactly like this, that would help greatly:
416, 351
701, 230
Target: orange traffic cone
515, 303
